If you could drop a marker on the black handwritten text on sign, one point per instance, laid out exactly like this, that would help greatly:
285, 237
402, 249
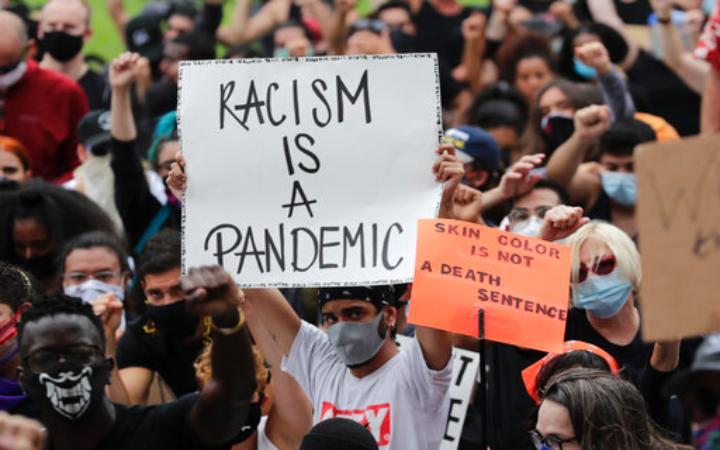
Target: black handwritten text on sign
313, 172
678, 215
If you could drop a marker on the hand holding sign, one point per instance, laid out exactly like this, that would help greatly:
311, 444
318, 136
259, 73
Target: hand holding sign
448, 169
520, 283
177, 180
304, 176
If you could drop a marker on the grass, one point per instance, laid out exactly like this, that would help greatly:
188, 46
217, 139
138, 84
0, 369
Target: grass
106, 41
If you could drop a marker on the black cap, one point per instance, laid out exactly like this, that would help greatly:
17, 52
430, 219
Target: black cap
94, 129
339, 433
379, 296
144, 35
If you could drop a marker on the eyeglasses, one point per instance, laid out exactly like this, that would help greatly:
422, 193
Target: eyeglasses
601, 267
106, 276
523, 214
551, 442
45, 360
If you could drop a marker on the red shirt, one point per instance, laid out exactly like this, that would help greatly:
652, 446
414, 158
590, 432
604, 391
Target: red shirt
42, 111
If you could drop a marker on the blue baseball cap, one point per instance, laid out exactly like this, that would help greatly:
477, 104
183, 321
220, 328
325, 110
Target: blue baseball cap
474, 145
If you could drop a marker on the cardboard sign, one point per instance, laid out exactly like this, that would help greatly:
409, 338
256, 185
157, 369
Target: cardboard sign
521, 284
311, 171
464, 376
678, 215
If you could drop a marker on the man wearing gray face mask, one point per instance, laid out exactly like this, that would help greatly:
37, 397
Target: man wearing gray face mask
352, 368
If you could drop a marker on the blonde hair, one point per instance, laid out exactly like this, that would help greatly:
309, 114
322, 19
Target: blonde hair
598, 234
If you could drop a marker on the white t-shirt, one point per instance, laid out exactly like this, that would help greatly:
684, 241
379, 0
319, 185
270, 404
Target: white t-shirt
263, 441
404, 403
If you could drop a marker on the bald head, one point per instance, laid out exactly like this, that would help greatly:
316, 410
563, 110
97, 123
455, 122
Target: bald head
13, 38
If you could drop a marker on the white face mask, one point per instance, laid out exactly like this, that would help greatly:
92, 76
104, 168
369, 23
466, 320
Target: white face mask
92, 289
12, 77
530, 227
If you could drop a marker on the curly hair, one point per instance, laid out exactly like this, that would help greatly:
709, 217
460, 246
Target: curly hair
16, 287
203, 368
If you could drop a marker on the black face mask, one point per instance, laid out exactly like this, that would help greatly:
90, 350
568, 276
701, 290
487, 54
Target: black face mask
62, 46
70, 391
173, 319
556, 130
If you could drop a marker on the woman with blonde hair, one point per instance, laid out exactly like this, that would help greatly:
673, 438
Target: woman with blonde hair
605, 281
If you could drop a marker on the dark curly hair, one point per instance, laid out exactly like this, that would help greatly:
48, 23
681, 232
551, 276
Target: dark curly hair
54, 305
16, 287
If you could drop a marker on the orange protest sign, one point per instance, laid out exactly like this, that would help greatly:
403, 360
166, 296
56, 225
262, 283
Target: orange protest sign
521, 284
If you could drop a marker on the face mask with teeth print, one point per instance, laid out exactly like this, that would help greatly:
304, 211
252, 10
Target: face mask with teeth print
69, 392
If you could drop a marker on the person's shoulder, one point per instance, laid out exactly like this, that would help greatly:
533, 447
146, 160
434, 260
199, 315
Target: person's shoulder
51, 79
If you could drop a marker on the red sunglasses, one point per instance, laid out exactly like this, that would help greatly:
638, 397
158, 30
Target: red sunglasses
601, 267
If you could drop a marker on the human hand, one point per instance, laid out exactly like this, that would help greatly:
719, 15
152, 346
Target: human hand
447, 169
594, 54
211, 291
177, 180
110, 310
473, 27
123, 70
562, 221
592, 121
518, 179
20, 433
345, 6
503, 6
662, 8
467, 204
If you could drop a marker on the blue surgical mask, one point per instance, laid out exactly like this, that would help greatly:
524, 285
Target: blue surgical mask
620, 186
585, 71
602, 295
356, 342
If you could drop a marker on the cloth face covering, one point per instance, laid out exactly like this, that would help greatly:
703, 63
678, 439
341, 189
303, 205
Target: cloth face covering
356, 343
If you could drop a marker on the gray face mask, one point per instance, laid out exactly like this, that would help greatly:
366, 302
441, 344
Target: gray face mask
356, 343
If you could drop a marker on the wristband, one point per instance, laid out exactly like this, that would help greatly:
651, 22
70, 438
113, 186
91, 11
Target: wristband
233, 330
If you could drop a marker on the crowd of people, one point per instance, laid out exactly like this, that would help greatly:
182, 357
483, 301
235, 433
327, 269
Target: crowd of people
105, 344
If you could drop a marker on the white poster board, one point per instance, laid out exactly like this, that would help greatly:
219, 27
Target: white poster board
464, 376
309, 171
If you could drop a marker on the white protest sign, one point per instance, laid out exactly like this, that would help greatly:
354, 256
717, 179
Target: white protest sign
464, 376
310, 171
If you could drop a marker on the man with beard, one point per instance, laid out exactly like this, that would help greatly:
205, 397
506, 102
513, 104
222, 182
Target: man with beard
63, 30
165, 340
64, 371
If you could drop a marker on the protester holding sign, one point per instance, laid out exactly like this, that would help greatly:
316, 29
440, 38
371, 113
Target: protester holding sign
356, 370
